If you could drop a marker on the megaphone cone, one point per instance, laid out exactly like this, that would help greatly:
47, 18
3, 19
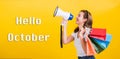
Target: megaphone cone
56, 9
60, 12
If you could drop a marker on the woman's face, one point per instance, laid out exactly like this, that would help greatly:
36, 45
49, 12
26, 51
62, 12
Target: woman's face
80, 18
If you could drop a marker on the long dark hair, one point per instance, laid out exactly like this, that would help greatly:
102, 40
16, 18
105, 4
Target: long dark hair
88, 23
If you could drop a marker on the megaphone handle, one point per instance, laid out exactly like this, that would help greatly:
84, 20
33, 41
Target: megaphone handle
61, 45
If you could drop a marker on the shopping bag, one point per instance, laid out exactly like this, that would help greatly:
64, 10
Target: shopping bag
100, 45
98, 48
98, 33
90, 49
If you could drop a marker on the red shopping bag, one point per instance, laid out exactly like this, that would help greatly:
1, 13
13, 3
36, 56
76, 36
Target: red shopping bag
98, 33
90, 48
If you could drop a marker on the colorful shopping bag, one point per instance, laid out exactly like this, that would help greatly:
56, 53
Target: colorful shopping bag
100, 45
90, 49
98, 33
97, 47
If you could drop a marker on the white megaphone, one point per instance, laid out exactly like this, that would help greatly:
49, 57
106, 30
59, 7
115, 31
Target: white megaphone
65, 15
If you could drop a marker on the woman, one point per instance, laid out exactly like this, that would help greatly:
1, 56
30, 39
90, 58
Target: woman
84, 22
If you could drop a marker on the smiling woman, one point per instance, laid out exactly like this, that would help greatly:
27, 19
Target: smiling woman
28, 37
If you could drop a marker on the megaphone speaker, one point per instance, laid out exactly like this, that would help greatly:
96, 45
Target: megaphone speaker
65, 15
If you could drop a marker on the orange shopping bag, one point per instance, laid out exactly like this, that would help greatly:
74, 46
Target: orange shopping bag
90, 48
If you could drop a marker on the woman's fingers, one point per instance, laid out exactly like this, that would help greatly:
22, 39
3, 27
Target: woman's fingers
82, 30
64, 22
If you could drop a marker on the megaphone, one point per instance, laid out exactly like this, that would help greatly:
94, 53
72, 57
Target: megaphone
65, 15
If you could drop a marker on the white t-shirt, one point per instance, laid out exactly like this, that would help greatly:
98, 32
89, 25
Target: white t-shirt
78, 44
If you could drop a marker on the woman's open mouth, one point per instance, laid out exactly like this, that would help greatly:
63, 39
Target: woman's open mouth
77, 19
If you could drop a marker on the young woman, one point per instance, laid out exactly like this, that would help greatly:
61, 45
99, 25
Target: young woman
84, 22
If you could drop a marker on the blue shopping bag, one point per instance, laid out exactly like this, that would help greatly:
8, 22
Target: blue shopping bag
100, 45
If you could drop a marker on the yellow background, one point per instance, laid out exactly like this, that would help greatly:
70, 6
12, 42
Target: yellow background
105, 13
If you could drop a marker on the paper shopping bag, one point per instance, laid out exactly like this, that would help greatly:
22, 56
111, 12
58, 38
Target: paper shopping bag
98, 33
90, 49
101, 45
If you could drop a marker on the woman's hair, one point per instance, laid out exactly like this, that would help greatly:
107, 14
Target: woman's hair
88, 23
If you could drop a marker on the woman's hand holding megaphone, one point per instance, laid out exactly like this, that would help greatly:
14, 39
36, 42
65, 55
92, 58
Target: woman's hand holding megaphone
64, 22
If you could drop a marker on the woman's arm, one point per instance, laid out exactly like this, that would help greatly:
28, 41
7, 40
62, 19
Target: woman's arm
81, 36
66, 39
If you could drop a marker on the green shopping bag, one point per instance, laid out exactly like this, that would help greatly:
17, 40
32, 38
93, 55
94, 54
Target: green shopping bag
98, 47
